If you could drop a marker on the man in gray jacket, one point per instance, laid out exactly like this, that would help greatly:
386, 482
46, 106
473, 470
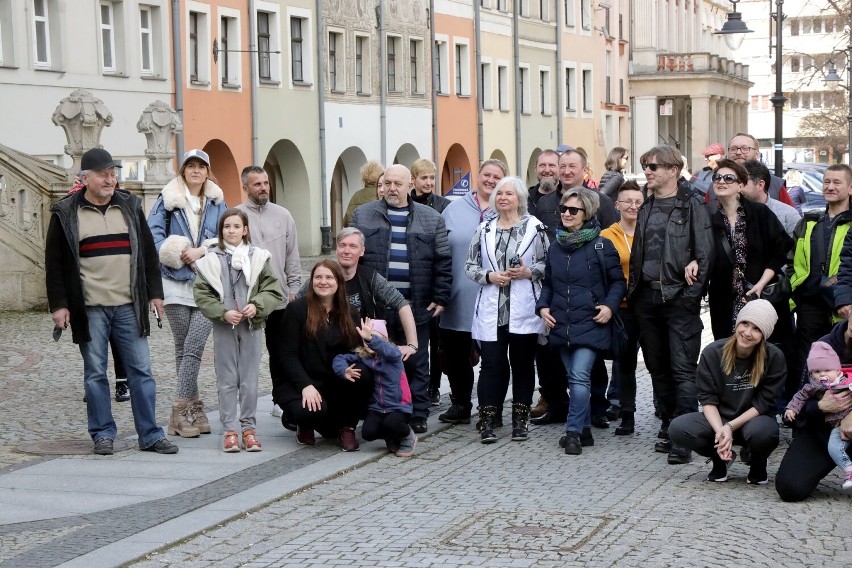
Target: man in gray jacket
406, 243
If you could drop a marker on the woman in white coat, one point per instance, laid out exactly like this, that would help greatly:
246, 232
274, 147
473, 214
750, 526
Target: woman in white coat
507, 259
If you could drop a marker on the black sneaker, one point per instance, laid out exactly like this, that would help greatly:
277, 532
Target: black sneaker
663, 446
613, 412
586, 438
600, 421
162, 446
573, 447
663, 434
757, 473
103, 447
719, 473
435, 397
678, 455
418, 424
456, 414
122, 393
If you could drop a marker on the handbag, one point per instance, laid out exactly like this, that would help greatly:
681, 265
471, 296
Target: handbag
617, 329
776, 292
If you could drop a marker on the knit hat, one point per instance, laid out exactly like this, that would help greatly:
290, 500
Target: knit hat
761, 314
714, 149
380, 327
822, 357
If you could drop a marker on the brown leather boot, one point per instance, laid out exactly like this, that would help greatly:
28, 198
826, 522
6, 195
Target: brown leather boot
540, 408
199, 417
180, 423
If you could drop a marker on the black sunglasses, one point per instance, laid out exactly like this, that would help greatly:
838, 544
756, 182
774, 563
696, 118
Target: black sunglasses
653, 167
727, 178
570, 210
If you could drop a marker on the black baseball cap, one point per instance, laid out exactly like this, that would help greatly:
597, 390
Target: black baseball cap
98, 159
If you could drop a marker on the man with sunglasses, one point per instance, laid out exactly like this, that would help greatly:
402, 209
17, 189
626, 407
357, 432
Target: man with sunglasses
669, 267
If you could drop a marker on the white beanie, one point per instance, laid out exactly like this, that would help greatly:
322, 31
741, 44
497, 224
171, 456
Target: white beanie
761, 314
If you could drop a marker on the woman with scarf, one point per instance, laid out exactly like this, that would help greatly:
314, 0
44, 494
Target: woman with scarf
583, 288
751, 249
506, 260
185, 215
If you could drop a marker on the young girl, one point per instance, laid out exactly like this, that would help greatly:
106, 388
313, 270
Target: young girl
236, 290
389, 411
826, 374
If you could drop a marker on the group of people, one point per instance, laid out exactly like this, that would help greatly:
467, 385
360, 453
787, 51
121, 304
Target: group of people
555, 278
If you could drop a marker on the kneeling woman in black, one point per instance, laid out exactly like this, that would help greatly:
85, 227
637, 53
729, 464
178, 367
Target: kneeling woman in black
317, 328
739, 381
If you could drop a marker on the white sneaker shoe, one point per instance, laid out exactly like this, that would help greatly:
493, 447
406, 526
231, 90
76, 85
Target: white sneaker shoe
277, 412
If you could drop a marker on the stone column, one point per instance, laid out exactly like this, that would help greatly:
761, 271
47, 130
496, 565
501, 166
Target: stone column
158, 123
645, 126
702, 125
713, 121
82, 116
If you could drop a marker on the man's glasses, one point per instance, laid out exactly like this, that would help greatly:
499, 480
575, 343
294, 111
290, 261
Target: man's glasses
727, 178
570, 210
637, 204
740, 149
653, 167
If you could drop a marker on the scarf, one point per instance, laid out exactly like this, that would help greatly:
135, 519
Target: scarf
240, 258
739, 245
572, 241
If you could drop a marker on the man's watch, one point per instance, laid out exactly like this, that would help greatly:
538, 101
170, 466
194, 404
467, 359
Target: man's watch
412, 346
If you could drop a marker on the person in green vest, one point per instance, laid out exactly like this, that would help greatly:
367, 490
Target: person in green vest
813, 268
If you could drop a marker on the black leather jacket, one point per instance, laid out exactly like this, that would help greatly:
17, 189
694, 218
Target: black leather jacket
688, 237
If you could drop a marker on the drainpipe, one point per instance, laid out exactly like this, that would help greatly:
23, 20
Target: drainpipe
560, 79
435, 156
177, 69
477, 15
255, 158
383, 117
516, 56
325, 228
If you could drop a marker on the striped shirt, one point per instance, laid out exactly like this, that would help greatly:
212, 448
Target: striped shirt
104, 255
398, 270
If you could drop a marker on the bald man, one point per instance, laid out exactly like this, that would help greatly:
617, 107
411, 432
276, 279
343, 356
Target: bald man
406, 242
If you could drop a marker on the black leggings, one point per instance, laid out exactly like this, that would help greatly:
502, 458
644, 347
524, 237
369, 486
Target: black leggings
510, 350
804, 465
391, 426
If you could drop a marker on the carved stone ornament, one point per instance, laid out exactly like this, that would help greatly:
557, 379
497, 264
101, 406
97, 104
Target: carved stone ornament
158, 123
82, 116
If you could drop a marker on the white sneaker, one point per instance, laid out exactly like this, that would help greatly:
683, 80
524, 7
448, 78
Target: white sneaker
276, 411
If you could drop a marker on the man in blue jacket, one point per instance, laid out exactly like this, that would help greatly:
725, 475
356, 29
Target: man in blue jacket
407, 243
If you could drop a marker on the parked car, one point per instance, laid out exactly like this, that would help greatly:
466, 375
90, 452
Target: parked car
811, 184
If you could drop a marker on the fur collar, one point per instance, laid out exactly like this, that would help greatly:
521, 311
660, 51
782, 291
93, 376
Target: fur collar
174, 196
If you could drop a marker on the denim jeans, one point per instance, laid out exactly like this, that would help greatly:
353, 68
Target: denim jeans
578, 363
837, 449
121, 325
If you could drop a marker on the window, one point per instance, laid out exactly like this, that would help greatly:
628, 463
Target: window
524, 72
503, 87
362, 46
543, 7
501, 5
442, 66
544, 91
608, 84
146, 36
41, 36
570, 89
229, 46
199, 50
6, 43
462, 68
296, 54
336, 58
586, 14
486, 98
416, 67
108, 37
268, 65
523, 8
587, 90
193, 46
393, 56
570, 16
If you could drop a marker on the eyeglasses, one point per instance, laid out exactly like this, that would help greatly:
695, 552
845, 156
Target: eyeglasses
629, 204
740, 149
727, 178
570, 210
653, 167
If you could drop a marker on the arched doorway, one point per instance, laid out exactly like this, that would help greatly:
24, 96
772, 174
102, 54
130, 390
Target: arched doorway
456, 167
290, 186
531, 178
499, 155
224, 168
345, 181
406, 155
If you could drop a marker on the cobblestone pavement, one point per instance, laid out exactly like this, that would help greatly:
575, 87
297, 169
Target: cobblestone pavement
455, 503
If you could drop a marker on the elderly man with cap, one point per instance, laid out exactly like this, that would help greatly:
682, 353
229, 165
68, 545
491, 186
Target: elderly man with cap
185, 216
703, 180
102, 273
738, 382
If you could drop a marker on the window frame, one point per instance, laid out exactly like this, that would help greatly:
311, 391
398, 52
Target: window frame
146, 45
107, 37
44, 20
461, 66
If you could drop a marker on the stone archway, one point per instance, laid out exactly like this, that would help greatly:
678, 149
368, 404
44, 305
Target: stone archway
499, 155
406, 155
290, 186
345, 181
224, 169
531, 178
456, 166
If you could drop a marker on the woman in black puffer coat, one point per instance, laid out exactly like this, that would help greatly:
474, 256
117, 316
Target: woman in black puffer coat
612, 178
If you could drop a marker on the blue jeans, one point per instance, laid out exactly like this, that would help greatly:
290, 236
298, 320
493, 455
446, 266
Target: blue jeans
578, 363
121, 324
837, 449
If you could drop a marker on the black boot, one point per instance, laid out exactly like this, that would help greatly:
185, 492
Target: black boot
486, 424
520, 421
627, 425
457, 414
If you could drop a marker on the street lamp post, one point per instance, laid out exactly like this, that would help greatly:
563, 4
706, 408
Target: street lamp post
733, 31
833, 78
